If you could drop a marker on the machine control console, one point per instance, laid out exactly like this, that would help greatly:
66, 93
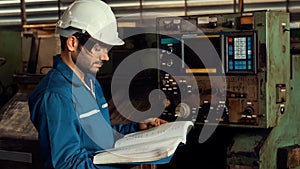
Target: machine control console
233, 49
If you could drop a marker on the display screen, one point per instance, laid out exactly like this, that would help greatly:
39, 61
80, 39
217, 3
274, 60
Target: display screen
168, 40
202, 54
240, 53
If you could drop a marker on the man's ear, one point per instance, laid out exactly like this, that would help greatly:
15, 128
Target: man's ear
72, 43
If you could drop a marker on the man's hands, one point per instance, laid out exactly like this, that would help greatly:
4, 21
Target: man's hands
151, 122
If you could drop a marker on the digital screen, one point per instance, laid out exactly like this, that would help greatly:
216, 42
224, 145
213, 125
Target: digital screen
165, 41
202, 54
240, 53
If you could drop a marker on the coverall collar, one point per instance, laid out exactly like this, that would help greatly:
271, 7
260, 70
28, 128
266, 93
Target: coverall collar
67, 72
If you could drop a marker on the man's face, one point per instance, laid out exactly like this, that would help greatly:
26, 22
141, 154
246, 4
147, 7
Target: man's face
91, 56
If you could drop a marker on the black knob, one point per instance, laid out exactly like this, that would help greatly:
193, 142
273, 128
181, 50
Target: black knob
212, 25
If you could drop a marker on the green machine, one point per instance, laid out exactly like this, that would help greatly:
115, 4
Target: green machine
277, 145
258, 101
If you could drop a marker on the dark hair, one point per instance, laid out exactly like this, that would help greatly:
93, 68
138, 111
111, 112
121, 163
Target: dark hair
63, 41
85, 39
82, 38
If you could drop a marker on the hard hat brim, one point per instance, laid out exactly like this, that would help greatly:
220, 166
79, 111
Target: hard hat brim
68, 32
116, 42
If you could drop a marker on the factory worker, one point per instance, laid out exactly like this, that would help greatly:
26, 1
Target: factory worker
68, 107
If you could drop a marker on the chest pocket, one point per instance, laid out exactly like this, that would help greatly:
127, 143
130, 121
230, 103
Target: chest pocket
97, 128
94, 120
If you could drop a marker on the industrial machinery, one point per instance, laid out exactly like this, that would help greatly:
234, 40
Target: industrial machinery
234, 71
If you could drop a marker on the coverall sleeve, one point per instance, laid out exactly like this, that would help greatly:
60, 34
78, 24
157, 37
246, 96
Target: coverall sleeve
59, 133
126, 128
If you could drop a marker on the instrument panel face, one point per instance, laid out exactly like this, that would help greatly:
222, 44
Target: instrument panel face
224, 66
233, 101
240, 53
235, 60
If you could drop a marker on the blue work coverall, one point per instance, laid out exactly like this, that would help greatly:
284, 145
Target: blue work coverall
72, 119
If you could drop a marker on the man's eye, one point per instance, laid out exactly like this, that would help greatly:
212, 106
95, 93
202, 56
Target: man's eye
97, 48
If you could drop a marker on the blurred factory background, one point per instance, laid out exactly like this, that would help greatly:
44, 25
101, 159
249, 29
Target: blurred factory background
259, 126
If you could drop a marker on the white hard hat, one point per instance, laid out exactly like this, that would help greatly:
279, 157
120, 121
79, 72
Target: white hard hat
92, 16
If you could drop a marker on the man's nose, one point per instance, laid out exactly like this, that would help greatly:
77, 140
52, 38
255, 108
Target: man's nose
104, 56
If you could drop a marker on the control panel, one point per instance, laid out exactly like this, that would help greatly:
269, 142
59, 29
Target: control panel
219, 69
239, 53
